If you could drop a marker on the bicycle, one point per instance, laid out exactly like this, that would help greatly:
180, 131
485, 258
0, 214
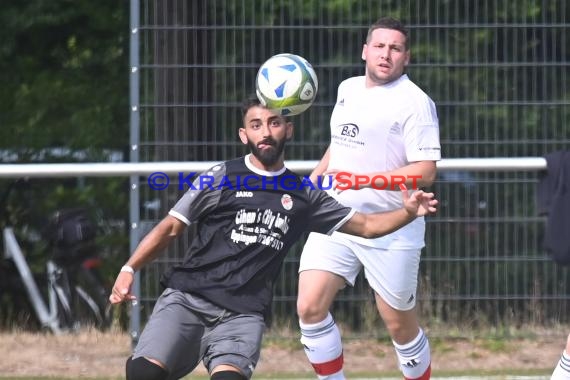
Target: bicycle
70, 293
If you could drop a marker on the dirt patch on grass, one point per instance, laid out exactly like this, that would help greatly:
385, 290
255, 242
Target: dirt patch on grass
95, 354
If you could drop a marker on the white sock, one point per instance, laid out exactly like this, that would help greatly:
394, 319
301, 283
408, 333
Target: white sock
323, 347
414, 357
562, 370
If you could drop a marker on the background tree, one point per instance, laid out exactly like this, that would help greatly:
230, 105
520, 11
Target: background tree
64, 97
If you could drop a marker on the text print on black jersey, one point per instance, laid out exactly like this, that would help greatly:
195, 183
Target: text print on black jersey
260, 226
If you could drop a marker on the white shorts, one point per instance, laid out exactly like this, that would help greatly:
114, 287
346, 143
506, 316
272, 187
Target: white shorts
393, 274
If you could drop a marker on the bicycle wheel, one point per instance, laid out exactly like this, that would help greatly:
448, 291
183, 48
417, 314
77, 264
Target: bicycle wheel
65, 306
95, 296
89, 312
78, 305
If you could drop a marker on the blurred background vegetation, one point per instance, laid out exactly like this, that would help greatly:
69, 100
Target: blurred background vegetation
64, 98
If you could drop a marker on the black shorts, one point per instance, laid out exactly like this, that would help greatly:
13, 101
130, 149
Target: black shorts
184, 329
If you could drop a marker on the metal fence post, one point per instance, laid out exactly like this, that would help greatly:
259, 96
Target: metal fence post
134, 214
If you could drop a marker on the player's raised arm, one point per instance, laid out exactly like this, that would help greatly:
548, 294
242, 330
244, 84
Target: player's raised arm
148, 249
375, 225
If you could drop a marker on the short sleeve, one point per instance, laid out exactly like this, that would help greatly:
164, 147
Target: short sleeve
327, 215
421, 132
199, 200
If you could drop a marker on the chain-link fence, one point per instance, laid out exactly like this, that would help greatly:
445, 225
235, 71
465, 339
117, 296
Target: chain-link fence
498, 72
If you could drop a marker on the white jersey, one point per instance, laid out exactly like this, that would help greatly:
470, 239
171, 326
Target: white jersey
380, 129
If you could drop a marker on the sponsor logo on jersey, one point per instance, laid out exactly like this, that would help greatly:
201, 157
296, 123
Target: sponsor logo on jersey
287, 202
244, 194
349, 130
341, 102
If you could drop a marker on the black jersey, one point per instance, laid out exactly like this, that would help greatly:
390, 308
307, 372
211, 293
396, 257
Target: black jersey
246, 221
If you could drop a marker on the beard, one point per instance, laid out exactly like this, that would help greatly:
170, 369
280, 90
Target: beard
268, 156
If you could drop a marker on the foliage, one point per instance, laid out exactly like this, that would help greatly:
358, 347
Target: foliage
64, 98
62, 68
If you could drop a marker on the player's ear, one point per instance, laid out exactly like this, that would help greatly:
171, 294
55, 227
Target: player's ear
408, 57
363, 56
242, 136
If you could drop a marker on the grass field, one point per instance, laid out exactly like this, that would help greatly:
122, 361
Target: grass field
101, 356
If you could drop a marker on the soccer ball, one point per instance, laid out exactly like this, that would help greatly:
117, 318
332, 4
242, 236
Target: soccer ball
286, 83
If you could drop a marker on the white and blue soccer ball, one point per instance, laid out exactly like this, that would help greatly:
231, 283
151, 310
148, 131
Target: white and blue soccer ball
286, 83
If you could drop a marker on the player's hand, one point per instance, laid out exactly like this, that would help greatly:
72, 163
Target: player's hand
419, 203
122, 289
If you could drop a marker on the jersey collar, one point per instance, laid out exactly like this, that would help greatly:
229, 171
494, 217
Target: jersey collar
265, 173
